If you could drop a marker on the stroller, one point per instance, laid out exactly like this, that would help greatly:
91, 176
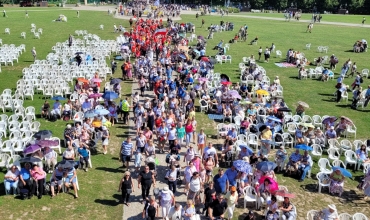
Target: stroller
150, 162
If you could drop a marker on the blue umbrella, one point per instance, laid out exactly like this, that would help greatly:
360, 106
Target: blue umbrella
110, 95
101, 112
242, 166
273, 118
303, 147
250, 151
43, 134
345, 172
58, 97
182, 56
266, 166
115, 81
90, 114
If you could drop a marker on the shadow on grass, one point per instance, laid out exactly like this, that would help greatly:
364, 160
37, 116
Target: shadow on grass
107, 202
311, 188
347, 51
324, 94
107, 169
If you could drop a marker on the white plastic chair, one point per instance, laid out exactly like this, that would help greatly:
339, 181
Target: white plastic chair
101, 27
325, 166
338, 163
7, 31
58, 146
288, 139
345, 145
249, 195
333, 154
365, 73
203, 107
4, 160
323, 180
253, 140
7, 147
350, 130
308, 46
35, 126
345, 216
359, 216
311, 214
278, 53
317, 150
350, 158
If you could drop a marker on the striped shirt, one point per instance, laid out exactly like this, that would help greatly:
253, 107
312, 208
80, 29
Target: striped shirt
126, 148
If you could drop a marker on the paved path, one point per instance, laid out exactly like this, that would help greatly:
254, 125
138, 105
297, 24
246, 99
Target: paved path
134, 211
105, 8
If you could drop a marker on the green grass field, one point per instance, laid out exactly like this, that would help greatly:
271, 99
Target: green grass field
98, 197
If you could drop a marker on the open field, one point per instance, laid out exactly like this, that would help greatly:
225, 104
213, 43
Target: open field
98, 197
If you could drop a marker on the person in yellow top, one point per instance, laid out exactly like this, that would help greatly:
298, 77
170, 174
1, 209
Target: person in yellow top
191, 113
232, 200
97, 123
266, 137
337, 182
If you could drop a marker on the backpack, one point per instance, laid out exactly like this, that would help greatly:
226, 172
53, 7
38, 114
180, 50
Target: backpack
47, 189
278, 138
361, 80
24, 193
229, 156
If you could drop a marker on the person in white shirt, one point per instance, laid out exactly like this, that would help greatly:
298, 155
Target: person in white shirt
330, 213
175, 212
51, 159
210, 151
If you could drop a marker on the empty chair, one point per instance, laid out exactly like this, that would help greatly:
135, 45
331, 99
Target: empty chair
35, 126
30, 110
325, 166
323, 180
333, 154
101, 27
338, 163
312, 214
359, 216
7, 31
345, 145
7, 147
350, 158
288, 139
345, 216
249, 195
351, 129
4, 160
23, 35
253, 140
317, 150
333, 143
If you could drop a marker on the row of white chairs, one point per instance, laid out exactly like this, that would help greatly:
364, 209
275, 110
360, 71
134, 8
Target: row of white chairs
312, 214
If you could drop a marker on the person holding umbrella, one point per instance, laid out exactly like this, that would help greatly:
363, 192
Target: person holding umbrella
337, 182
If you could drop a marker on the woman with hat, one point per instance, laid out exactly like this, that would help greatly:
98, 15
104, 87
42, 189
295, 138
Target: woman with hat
126, 186
330, 213
337, 182
232, 200
166, 200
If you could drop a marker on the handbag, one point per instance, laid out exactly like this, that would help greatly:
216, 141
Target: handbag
128, 191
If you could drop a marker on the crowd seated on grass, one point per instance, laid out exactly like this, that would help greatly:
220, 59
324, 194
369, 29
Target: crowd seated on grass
360, 46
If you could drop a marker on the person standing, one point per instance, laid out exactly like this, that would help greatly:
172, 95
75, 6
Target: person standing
200, 26
146, 179
367, 96
26, 15
259, 53
171, 177
221, 181
127, 149
105, 139
78, 14
125, 109
34, 53
70, 40
232, 200
126, 186
4, 14
150, 209
363, 20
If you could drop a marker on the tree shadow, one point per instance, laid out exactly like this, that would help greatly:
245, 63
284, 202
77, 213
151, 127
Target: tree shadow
347, 51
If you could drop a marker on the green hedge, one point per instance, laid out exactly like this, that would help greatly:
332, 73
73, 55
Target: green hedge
51, 5
231, 9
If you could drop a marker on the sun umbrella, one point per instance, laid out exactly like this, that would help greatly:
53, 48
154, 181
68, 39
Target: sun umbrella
182, 56
83, 80
303, 147
284, 109
262, 92
245, 102
250, 151
79, 53
226, 83
328, 119
47, 143
96, 80
101, 112
284, 193
202, 79
224, 76
273, 184
95, 95
367, 191
345, 172
273, 118
347, 120
58, 97
205, 59
126, 34
242, 166
184, 48
66, 164
110, 95
90, 114
43, 134
29, 160
303, 104
200, 37
115, 81
31, 149
124, 48
266, 166
233, 92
